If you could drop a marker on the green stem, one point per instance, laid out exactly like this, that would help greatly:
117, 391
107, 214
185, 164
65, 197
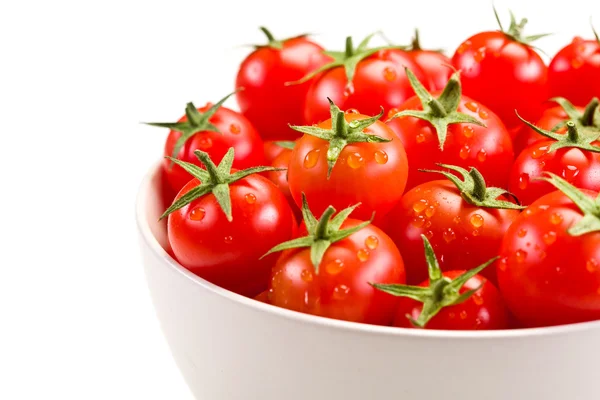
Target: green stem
340, 125
349, 47
211, 168
321, 229
268, 34
438, 289
416, 44
572, 132
588, 114
437, 108
479, 188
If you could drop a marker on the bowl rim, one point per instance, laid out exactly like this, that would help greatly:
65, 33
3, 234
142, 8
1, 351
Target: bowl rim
323, 322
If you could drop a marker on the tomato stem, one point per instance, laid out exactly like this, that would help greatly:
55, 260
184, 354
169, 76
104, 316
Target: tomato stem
437, 108
590, 112
349, 47
321, 230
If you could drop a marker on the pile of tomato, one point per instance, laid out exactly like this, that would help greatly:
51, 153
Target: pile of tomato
393, 185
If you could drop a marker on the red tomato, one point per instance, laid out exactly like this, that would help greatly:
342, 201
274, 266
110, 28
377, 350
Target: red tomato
233, 130
226, 252
273, 148
371, 173
280, 178
378, 81
484, 310
579, 166
550, 118
340, 289
489, 149
266, 100
504, 72
434, 64
546, 275
575, 70
464, 234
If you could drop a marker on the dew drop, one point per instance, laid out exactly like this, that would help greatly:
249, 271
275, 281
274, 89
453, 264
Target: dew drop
463, 314
306, 275
419, 221
205, 143
456, 219
197, 214
522, 232
520, 255
380, 157
475, 232
540, 151
477, 299
250, 198
228, 239
355, 160
235, 129
420, 138
449, 235
464, 47
311, 159
427, 224
429, 234
569, 172
577, 62
479, 54
549, 237
476, 220
419, 206
481, 155
464, 152
349, 89
523, 181
392, 112
389, 74
430, 211
503, 263
556, 219
483, 114
468, 131
352, 111
340, 292
363, 255
451, 315
471, 105
591, 265
334, 267
372, 242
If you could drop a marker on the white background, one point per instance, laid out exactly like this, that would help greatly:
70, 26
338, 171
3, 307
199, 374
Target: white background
76, 79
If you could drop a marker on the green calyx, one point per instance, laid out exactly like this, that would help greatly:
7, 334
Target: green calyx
575, 137
439, 112
515, 30
415, 44
286, 144
348, 59
442, 291
322, 233
342, 133
275, 43
196, 122
595, 33
590, 118
589, 207
214, 179
473, 189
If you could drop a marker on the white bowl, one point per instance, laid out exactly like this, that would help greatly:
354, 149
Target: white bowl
229, 347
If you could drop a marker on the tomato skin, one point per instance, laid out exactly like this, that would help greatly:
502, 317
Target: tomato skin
574, 71
467, 145
549, 119
280, 179
579, 167
379, 81
272, 150
266, 99
463, 236
484, 310
434, 65
378, 186
227, 253
341, 292
504, 75
236, 131
548, 277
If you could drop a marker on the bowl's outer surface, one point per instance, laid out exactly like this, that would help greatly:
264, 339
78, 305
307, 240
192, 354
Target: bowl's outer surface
232, 348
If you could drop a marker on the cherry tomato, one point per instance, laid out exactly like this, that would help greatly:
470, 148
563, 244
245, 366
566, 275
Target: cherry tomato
464, 233
339, 288
371, 172
267, 101
280, 178
549, 271
213, 129
434, 64
273, 148
378, 81
579, 166
226, 249
502, 71
574, 71
489, 148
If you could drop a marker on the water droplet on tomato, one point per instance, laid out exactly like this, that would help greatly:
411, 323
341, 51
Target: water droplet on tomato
340, 292
205, 143
418, 221
468, 131
520, 255
429, 234
523, 181
355, 160
479, 54
228, 239
503, 263
463, 314
392, 112
522, 232
311, 159
481, 155
457, 219
306, 275
235, 129
362, 255
250, 198
577, 62
352, 111
540, 151
349, 89
476, 220
477, 299
372, 242
472, 106
556, 219
464, 152
549, 237
420, 138
569, 172
591, 265
334, 267
475, 233
197, 214
483, 114
420, 205
389, 74
380, 157
464, 47
449, 235
430, 211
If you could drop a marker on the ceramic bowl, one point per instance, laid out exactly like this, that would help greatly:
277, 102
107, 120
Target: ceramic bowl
229, 347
